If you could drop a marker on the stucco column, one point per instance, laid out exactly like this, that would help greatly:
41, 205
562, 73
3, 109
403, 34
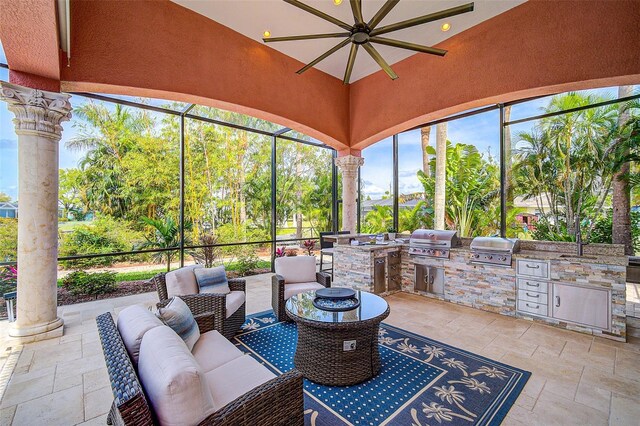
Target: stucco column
38, 115
349, 165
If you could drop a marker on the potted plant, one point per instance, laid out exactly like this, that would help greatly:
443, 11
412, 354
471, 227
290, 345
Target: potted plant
391, 232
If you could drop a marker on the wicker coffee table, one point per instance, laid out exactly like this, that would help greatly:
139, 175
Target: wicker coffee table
337, 348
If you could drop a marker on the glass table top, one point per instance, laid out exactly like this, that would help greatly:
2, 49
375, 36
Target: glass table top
371, 306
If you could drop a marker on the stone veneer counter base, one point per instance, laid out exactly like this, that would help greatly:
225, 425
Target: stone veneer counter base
493, 288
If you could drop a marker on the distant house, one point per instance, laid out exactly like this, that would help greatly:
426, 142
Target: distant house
8, 210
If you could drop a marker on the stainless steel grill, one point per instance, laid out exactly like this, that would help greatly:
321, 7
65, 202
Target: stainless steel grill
494, 250
432, 243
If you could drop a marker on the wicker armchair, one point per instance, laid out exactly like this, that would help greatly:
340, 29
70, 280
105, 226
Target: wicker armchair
208, 309
256, 407
279, 282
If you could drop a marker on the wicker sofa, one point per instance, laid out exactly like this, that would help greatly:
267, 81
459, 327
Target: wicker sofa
294, 275
237, 390
204, 306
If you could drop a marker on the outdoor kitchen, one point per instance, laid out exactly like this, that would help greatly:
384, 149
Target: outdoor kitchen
545, 282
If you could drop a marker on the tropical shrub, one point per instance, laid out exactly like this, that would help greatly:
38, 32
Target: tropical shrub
602, 230
309, 245
208, 256
378, 219
103, 235
247, 261
8, 239
82, 283
8, 278
165, 234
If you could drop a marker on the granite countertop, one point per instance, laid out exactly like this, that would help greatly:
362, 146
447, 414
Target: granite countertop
572, 257
368, 247
558, 256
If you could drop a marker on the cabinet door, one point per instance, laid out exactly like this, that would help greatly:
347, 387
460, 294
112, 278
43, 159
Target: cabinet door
581, 305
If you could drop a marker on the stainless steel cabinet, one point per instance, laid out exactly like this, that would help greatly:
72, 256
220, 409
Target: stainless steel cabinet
581, 305
429, 279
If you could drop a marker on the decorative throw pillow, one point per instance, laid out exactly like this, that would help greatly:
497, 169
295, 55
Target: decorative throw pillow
212, 280
178, 316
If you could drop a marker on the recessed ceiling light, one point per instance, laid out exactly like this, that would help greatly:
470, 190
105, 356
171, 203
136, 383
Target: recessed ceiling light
337, 2
266, 34
446, 26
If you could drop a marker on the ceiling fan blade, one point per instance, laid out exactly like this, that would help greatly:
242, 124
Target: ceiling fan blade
423, 19
407, 45
380, 60
324, 55
350, 63
356, 8
305, 37
319, 14
380, 14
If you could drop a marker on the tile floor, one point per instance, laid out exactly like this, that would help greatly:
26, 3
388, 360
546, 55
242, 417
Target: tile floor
577, 379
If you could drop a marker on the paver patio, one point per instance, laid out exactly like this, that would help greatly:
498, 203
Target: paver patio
577, 379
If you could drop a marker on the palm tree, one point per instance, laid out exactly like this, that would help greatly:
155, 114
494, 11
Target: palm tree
166, 235
564, 160
425, 133
472, 187
621, 199
440, 183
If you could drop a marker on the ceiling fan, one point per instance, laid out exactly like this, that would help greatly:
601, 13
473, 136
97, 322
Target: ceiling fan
363, 33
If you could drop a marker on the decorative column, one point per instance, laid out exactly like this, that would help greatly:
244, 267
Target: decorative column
349, 165
38, 115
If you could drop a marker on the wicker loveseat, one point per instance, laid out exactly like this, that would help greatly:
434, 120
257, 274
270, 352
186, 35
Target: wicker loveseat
237, 390
206, 306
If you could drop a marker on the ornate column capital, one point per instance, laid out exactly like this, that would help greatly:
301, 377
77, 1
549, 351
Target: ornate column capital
349, 164
37, 112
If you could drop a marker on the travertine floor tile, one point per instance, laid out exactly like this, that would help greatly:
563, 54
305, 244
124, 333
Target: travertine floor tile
27, 390
593, 397
552, 409
60, 408
98, 402
624, 411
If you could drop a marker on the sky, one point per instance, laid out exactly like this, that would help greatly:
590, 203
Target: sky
481, 130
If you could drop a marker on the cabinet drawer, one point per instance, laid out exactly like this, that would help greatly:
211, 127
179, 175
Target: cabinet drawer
532, 268
533, 296
533, 285
532, 307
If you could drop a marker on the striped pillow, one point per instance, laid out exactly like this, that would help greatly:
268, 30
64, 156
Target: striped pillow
178, 316
212, 280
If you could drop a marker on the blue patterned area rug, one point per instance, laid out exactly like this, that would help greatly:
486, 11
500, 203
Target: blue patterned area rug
422, 382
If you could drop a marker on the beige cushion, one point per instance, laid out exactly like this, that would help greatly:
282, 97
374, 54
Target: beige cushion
296, 269
236, 378
234, 300
172, 379
182, 281
133, 322
214, 350
293, 289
